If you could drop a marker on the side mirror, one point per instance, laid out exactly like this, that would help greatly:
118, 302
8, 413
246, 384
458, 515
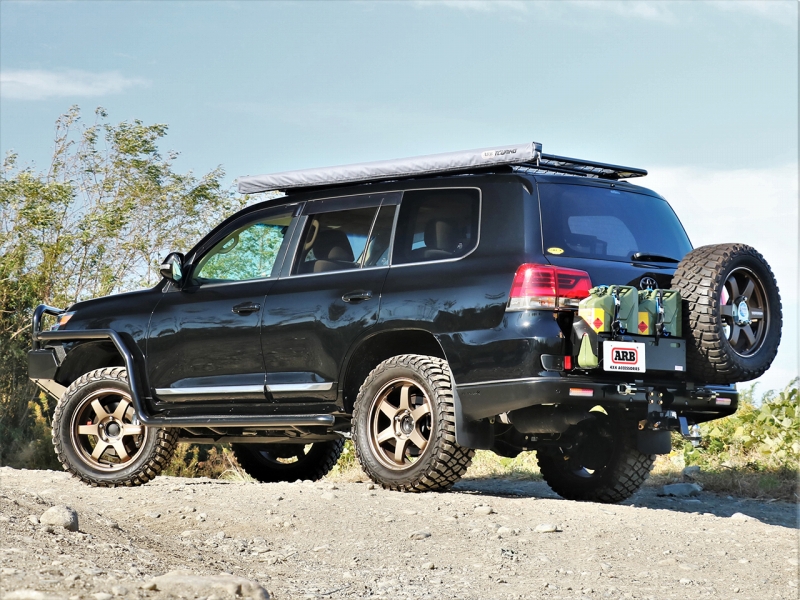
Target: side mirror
172, 267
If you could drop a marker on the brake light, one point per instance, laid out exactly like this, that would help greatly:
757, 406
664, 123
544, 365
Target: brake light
548, 287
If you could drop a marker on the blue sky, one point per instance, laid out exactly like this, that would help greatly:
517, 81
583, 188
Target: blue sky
702, 94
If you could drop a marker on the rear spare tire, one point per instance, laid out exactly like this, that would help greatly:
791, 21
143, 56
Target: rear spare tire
731, 313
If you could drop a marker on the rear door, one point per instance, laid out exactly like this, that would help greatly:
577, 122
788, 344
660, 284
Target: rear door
328, 294
619, 235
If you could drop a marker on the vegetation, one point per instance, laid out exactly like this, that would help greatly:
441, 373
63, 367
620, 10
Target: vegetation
95, 222
755, 452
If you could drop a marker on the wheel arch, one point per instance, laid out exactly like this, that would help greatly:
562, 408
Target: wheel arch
88, 356
369, 352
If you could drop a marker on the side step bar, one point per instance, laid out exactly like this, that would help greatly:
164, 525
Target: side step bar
261, 421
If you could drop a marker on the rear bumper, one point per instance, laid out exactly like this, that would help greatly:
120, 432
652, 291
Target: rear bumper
490, 398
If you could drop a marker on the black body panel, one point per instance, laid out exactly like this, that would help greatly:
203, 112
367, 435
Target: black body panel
196, 340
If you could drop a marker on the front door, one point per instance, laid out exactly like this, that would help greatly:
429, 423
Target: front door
328, 295
204, 340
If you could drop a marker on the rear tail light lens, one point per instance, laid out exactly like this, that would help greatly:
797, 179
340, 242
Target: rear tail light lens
548, 287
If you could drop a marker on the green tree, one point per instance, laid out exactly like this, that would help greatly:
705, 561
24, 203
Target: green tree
96, 222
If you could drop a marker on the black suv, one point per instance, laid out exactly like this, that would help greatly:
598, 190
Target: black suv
427, 311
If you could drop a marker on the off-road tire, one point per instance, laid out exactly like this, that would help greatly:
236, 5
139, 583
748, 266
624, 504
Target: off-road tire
154, 456
258, 461
700, 278
443, 462
622, 476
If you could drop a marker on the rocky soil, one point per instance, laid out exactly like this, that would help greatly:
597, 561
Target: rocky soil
485, 539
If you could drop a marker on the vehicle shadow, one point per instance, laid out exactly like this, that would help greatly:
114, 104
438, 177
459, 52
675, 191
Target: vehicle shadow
783, 514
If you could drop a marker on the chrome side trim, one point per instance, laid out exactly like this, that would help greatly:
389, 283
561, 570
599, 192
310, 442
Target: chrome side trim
300, 387
228, 390
211, 390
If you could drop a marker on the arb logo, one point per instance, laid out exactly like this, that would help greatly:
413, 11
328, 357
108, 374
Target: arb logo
624, 356
629, 357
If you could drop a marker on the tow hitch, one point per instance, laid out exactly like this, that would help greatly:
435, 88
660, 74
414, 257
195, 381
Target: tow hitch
660, 419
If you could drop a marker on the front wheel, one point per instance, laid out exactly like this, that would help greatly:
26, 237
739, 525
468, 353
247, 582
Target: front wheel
404, 426
98, 437
270, 463
599, 461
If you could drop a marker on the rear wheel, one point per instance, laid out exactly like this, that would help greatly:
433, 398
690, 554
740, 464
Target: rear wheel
600, 463
404, 425
98, 437
271, 463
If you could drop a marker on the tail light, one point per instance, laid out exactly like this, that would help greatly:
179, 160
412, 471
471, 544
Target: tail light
548, 287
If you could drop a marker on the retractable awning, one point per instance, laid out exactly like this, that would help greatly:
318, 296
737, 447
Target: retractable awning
390, 169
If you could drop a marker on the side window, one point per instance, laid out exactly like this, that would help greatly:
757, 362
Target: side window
436, 225
335, 241
247, 253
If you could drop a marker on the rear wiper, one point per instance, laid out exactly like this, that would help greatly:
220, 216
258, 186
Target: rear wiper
646, 256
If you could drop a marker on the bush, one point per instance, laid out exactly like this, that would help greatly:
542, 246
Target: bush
754, 452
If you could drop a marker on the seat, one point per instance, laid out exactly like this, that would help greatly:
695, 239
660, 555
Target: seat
441, 241
332, 252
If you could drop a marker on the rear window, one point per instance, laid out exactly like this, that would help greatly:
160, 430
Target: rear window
610, 224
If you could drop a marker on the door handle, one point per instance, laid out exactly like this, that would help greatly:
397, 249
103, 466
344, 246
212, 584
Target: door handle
357, 296
245, 308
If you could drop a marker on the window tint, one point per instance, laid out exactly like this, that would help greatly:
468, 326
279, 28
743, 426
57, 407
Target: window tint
247, 253
436, 225
377, 252
335, 241
598, 222
601, 235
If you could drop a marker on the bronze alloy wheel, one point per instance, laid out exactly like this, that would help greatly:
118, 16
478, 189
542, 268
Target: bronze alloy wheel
745, 311
105, 430
400, 424
404, 425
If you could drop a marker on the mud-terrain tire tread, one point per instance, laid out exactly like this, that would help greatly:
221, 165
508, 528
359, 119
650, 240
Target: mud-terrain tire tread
627, 473
448, 461
160, 455
326, 455
699, 278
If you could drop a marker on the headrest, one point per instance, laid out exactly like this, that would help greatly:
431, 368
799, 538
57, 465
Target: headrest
332, 244
441, 235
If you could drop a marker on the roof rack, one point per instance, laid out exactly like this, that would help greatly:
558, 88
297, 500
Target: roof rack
521, 157
550, 163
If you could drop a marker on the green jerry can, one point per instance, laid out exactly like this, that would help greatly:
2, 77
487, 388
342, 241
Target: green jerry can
648, 312
597, 309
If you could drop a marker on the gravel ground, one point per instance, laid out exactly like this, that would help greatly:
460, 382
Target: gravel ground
319, 540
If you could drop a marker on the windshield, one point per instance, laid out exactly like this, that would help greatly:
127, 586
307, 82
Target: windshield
585, 221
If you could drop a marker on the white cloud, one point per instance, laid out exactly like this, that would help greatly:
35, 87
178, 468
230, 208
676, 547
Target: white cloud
784, 12
780, 11
476, 5
650, 11
758, 207
32, 84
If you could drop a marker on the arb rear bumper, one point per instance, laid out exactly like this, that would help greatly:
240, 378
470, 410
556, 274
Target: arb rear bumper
697, 403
